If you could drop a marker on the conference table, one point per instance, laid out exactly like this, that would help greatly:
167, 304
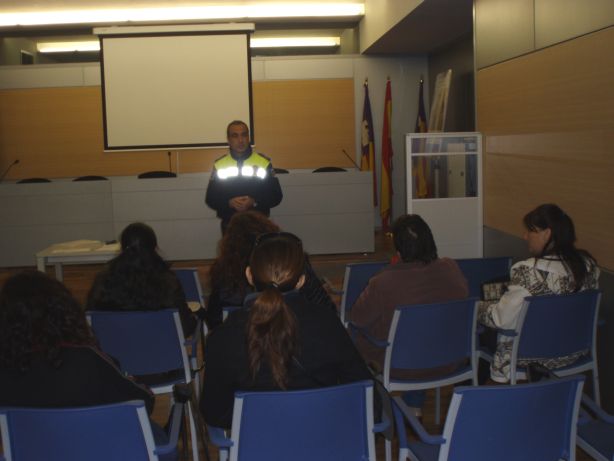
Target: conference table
332, 212
75, 252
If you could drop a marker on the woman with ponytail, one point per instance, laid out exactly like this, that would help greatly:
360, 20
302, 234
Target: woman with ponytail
139, 279
281, 340
556, 267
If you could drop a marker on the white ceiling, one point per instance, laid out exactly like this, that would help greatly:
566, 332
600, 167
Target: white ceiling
431, 25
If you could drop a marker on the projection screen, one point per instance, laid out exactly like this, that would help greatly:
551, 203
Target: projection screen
174, 86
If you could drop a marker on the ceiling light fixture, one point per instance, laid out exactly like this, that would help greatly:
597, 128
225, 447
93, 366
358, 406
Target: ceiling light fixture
278, 42
273, 42
237, 11
67, 47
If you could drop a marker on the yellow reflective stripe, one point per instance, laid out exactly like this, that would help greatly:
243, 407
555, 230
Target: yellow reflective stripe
254, 165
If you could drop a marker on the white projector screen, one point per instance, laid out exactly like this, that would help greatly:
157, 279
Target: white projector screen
176, 89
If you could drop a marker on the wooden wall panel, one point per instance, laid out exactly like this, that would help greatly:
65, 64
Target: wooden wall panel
305, 123
57, 132
548, 121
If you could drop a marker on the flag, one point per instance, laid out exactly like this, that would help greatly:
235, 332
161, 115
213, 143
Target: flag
420, 168
386, 183
367, 159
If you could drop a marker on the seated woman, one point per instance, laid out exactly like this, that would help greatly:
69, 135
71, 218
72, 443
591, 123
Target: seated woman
139, 279
227, 275
283, 341
420, 278
557, 267
48, 356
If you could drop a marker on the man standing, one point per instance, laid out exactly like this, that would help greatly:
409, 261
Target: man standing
242, 179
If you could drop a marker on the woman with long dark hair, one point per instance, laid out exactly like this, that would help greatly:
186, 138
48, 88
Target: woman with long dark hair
227, 274
139, 279
281, 341
556, 267
48, 356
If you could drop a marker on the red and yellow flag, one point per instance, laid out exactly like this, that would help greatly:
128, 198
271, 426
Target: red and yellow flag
367, 159
386, 183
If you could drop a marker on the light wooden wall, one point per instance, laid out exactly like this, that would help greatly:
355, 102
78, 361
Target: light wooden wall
548, 121
57, 132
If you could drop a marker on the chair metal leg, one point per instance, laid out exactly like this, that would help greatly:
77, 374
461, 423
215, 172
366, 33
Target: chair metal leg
437, 405
596, 391
193, 433
388, 448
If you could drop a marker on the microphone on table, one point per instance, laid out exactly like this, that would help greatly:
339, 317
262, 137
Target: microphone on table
351, 159
8, 169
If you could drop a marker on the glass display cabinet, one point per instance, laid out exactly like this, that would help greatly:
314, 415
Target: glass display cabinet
444, 186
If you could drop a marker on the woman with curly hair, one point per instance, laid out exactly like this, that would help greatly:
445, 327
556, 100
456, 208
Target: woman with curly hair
281, 341
48, 356
556, 266
227, 274
139, 279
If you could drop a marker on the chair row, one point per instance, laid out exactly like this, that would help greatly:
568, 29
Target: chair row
530, 422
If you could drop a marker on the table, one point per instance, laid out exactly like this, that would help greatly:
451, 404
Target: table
75, 252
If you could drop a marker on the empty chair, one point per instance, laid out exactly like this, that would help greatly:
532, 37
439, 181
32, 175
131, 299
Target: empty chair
33, 180
328, 423
595, 431
157, 174
98, 433
355, 280
425, 337
329, 169
478, 271
91, 178
538, 338
149, 343
532, 422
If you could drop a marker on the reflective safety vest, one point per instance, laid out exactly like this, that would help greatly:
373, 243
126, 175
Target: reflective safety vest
253, 166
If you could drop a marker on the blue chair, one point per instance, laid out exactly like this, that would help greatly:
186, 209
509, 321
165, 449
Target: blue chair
355, 280
188, 277
428, 336
328, 423
150, 343
595, 431
99, 433
531, 422
554, 326
193, 290
480, 270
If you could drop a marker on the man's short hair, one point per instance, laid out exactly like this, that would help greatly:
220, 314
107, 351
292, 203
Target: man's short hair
413, 239
236, 122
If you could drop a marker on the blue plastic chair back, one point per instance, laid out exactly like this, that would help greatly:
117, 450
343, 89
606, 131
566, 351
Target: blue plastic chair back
332, 423
480, 270
529, 422
357, 276
558, 325
188, 277
432, 335
100, 433
144, 342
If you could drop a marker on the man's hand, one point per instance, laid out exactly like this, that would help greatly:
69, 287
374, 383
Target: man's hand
242, 203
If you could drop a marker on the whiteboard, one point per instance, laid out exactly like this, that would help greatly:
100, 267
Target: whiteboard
174, 90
